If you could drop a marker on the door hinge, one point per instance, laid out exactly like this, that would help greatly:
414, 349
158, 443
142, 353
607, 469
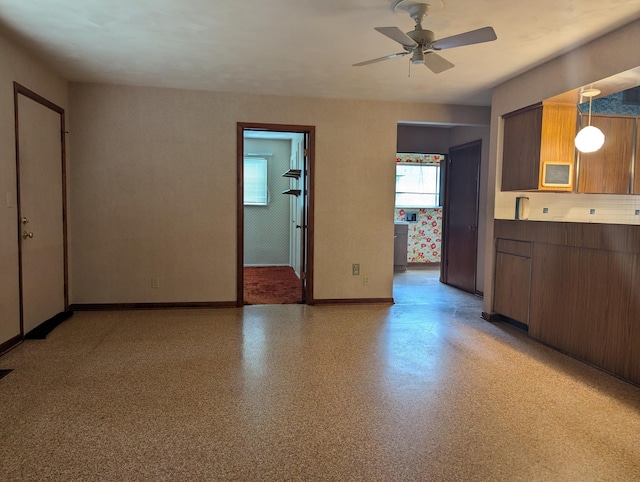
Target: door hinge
306, 152
303, 275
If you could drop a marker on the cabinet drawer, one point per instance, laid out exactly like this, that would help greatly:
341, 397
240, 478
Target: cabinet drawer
511, 246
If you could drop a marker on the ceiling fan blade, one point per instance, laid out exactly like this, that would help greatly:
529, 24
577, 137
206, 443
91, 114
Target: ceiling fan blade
380, 59
436, 63
394, 33
485, 34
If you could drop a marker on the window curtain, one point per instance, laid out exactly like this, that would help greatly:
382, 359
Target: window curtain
410, 158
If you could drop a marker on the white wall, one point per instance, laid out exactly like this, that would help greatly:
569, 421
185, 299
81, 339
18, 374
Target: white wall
154, 189
18, 66
613, 53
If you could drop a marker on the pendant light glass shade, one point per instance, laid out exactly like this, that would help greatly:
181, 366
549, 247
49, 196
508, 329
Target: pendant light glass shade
590, 138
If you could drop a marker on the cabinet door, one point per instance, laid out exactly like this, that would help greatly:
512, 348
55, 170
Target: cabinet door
512, 286
559, 127
636, 179
608, 170
521, 149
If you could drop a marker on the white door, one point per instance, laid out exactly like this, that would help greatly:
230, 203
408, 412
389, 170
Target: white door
297, 205
40, 170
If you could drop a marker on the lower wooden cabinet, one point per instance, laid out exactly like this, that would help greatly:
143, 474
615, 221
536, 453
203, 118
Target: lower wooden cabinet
581, 284
512, 284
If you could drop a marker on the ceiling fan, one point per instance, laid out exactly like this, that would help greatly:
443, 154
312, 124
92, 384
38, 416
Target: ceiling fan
421, 43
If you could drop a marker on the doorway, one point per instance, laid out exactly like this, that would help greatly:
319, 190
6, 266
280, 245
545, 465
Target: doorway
460, 223
275, 213
41, 210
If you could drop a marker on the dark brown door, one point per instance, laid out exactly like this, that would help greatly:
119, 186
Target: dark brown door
460, 236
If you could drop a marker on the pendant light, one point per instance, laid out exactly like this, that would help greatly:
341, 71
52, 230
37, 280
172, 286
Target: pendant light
590, 138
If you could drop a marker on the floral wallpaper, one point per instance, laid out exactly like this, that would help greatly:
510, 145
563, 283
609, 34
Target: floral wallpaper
425, 235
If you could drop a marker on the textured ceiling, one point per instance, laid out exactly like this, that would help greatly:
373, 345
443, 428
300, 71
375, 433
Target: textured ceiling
300, 47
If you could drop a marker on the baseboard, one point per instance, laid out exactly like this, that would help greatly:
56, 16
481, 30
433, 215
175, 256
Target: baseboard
150, 306
497, 317
423, 265
493, 317
41, 331
9, 344
353, 301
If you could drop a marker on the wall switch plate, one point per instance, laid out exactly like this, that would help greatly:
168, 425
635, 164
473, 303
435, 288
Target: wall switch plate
365, 280
155, 283
355, 269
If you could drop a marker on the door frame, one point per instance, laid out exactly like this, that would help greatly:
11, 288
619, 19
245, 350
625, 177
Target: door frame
307, 248
446, 213
18, 90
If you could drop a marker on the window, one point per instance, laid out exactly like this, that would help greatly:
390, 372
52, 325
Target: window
255, 181
631, 96
417, 185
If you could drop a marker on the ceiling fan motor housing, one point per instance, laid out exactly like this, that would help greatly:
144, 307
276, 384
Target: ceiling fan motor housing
424, 38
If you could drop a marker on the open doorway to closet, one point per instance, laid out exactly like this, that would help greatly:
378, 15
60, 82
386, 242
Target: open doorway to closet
275, 214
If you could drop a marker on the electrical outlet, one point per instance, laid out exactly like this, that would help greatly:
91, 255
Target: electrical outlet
355, 269
365, 280
155, 283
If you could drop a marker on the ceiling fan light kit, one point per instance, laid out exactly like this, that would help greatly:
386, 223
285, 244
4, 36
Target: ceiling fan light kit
421, 43
417, 57
590, 138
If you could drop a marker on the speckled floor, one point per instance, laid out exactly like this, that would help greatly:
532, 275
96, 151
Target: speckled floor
421, 390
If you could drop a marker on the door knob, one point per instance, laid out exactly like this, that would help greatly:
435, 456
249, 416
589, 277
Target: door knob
26, 235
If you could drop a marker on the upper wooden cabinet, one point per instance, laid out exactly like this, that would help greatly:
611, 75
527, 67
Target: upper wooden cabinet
636, 179
608, 170
534, 136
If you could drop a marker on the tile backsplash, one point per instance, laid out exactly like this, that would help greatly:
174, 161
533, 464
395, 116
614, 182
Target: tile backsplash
572, 207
